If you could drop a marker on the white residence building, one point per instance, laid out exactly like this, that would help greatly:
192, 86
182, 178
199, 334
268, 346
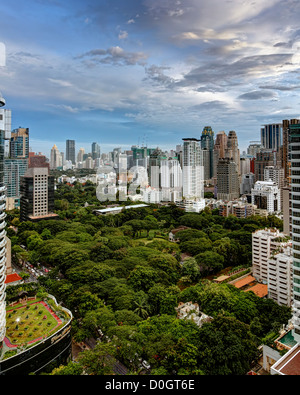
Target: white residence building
266, 196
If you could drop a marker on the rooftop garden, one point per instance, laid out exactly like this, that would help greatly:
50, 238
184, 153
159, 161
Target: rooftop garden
31, 316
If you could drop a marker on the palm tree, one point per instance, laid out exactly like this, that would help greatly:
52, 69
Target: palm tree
142, 307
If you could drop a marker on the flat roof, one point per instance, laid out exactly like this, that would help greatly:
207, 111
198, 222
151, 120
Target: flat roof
107, 210
221, 278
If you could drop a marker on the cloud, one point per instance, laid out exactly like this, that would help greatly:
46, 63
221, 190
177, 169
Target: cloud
156, 74
280, 87
123, 34
60, 82
115, 55
258, 95
236, 72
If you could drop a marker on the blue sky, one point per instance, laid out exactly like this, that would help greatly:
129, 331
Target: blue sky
148, 71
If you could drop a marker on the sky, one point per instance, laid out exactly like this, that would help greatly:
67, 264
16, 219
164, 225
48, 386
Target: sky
148, 72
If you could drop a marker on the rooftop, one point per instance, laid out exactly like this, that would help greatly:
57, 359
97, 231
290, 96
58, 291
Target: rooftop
289, 364
260, 290
244, 281
11, 278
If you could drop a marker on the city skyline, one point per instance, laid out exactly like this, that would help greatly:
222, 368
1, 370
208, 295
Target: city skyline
150, 72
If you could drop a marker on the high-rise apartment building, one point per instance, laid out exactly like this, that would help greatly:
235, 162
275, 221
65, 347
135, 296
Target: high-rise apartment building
264, 158
5, 124
271, 136
285, 153
80, 155
37, 160
70, 151
280, 275
193, 186
16, 165
294, 146
55, 158
266, 196
37, 195
227, 180
19, 143
264, 243
2, 235
171, 180
253, 148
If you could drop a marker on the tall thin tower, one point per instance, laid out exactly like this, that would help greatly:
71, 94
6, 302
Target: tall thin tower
294, 145
2, 235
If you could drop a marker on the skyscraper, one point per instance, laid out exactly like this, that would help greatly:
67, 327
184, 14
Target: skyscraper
95, 150
80, 155
285, 156
227, 180
232, 149
70, 151
271, 136
207, 146
19, 143
37, 195
2, 235
193, 173
294, 145
16, 165
55, 158
219, 150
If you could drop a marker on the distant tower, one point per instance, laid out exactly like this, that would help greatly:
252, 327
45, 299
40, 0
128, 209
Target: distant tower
95, 150
219, 150
227, 180
70, 150
192, 171
55, 158
271, 136
80, 155
207, 146
232, 150
37, 195
2, 235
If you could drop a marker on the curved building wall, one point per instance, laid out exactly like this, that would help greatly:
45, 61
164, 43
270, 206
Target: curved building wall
2, 240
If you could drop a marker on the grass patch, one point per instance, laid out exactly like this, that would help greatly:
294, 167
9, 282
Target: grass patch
29, 323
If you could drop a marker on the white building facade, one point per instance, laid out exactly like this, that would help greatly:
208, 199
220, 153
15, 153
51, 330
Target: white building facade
266, 196
264, 243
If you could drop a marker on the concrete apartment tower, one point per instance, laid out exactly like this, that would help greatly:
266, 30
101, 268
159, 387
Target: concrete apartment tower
2, 235
193, 173
294, 147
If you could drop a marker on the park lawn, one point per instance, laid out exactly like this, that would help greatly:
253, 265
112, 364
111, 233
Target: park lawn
28, 323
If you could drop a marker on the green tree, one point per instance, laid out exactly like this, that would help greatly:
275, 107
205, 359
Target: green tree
99, 361
209, 262
226, 347
142, 278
